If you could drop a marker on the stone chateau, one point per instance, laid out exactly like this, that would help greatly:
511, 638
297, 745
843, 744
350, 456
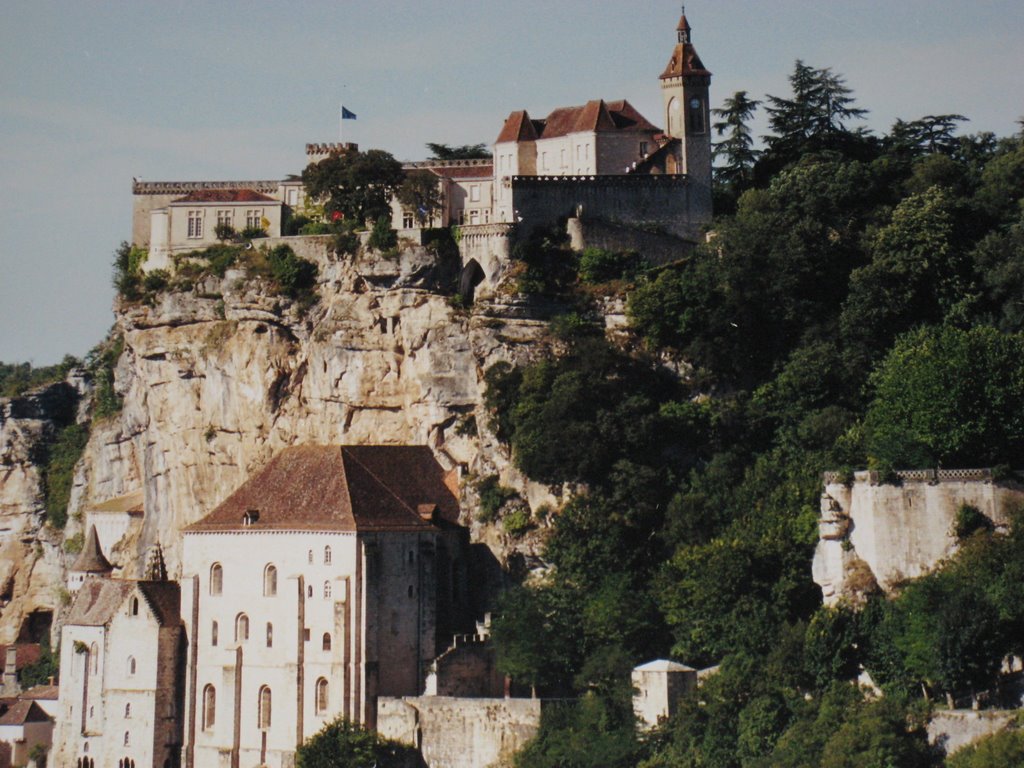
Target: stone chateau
335, 579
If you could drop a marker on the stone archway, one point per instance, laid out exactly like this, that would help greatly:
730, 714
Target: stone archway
472, 275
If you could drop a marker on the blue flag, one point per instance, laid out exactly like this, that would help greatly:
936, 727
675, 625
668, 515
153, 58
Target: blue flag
347, 114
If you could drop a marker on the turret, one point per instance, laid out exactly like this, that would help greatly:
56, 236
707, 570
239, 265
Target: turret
90, 562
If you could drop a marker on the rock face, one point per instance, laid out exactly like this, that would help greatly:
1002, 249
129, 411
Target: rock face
218, 379
31, 557
880, 534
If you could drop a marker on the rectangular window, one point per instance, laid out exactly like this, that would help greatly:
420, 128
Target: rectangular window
223, 218
643, 149
474, 193
563, 158
253, 219
474, 217
195, 224
579, 153
407, 220
293, 196
544, 161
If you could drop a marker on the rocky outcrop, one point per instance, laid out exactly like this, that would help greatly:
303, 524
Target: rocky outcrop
874, 534
31, 555
217, 379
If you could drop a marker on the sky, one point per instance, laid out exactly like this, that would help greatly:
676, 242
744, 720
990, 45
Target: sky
94, 93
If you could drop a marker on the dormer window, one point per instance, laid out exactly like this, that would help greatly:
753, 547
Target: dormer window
250, 517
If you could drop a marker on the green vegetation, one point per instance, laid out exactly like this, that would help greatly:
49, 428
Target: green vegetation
859, 306
1005, 749
420, 193
41, 671
18, 378
382, 236
128, 260
462, 152
100, 362
356, 186
58, 471
343, 744
493, 496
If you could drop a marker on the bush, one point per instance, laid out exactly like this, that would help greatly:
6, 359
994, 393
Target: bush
101, 362
295, 277
600, 266
344, 744
128, 260
224, 231
156, 280
970, 519
492, 496
517, 522
315, 228
58, 472
382, 236
252, 233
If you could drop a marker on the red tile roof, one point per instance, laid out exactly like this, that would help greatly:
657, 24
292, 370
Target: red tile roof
21, 712
684, 61
26, 653
597, 116
518, 127
684, 25
44, 692
338, 488
225, 196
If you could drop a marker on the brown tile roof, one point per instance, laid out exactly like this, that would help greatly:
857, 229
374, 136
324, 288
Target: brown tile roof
21, 712
97, 600
25, 653
598, 116
684, 61
518, 127
130, 503
225, 196
46, 692
338, 488
684, 25
91, 559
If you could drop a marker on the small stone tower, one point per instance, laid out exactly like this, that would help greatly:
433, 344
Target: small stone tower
90, 562
684, 86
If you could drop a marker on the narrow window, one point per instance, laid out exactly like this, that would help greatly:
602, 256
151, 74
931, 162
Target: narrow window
94, 651
127, 738
326, 643
127, 711
131, 666
209, 706
216, 579
322, 698
241, 628
195, 224
269, 581
309, 591
696, 118
214, 630
410, 590
135, 606
327, 555
270, 635
264, 707
411, 557
327, 589
643, 149
311, 551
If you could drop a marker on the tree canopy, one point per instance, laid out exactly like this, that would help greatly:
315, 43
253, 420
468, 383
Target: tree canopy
355, 185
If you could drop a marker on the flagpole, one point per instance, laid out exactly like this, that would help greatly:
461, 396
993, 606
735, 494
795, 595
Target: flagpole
341, 124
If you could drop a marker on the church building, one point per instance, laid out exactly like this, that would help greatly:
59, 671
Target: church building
332, 576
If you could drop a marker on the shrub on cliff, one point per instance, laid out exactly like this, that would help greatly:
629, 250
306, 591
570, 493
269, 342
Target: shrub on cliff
294, 276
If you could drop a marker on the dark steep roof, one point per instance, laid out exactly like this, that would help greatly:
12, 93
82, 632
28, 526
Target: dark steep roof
97, 600
338, 488
91, 559
21, 712
684, 61
518, 127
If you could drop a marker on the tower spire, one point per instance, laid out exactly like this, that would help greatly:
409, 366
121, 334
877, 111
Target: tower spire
683, 30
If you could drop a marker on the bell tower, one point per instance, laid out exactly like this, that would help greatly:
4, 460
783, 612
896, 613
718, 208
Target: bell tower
685, 86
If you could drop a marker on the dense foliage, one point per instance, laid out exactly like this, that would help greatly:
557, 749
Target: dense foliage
858, 306
18, 378
344, 744
355, 185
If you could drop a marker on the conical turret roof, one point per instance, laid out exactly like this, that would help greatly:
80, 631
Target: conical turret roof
91, 559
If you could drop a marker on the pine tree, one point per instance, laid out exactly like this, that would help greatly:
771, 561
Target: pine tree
737, 150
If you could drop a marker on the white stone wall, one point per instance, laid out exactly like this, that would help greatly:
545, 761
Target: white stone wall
899, 531
179, 239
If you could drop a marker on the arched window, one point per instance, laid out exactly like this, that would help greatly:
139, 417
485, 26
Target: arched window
696, 116
269, 581
127, 711
214, 631
216, 579
675, 118
322, 698
134, 606
327, 590
309, 591
209, 707
241, 628
264, 707
326, 644
94, 653
327, 555
127, 738
131, 666
270, 635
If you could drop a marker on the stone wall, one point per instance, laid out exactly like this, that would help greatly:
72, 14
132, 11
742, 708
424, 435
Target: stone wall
659, 201
874, 532
656, 247
469, 668
458, 732
955, 729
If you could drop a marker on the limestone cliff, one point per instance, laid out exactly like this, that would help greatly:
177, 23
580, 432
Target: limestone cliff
218, 378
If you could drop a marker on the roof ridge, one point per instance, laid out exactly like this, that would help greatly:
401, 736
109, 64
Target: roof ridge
381, 483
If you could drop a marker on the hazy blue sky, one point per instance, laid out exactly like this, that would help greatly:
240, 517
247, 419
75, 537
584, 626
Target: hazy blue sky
93, 93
